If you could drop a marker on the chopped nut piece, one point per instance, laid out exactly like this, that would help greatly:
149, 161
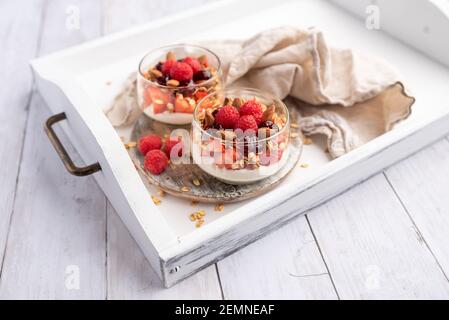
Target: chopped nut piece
173, 83
238, 102
294, 125
227, 101
130, 145
185, 189
194, 202
192, 217
156, 200
209, 119
161, 193
219, 207
307, 141
156, 73
268, 115
203, 60
170, 56
196, 182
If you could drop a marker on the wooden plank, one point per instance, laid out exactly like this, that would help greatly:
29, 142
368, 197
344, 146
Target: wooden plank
421, 182
19, 34
131, 277
285, 265
372, 248
56, 244
129, 274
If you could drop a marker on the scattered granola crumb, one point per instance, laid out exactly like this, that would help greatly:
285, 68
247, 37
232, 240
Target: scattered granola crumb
156, 200
185, 189
219, 207
192, 217
161, 193
108, 83
194, 202
304, 165
294, 135
196, 182
307, 141
199, 223
130, 145
294, 125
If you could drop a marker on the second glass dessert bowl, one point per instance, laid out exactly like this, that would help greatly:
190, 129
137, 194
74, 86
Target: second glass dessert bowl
171, 81
240, 136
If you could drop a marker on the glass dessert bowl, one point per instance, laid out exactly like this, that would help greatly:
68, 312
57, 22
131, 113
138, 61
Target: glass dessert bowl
240, 136
171, 81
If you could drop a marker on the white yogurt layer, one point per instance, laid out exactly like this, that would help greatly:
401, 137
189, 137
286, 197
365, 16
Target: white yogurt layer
238, 177
170, 117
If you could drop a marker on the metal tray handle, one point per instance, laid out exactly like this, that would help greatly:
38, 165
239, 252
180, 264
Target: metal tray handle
68, 163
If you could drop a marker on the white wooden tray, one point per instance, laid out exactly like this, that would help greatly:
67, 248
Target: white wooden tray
81, 82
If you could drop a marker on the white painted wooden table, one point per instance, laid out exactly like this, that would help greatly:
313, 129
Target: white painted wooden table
386, 238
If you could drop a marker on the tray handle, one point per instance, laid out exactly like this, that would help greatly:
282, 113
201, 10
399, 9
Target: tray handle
68, 163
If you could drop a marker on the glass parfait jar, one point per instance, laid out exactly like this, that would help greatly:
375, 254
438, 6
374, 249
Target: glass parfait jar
171, 101
233, 155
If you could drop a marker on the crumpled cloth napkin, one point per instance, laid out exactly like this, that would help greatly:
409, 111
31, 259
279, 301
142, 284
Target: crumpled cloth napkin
347, 96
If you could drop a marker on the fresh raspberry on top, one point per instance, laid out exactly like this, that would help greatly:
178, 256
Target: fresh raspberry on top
181, 71
173, 143
246, 123
156, 161
227, 116
166, 67
252, 108
148, 143
194, 64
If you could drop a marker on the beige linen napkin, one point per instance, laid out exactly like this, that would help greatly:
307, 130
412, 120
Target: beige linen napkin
349, 97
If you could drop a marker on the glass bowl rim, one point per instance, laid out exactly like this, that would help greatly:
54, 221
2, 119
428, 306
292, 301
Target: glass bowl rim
225, 92
180, 45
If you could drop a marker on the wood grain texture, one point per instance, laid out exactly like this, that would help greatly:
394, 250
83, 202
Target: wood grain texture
58, 226
421, 182
131, 277
129, 274
285, 265
372, 248
19, 42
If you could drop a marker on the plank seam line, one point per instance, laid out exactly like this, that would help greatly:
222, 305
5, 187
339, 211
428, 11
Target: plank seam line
415, 226
219, 282
322, 256
22, 147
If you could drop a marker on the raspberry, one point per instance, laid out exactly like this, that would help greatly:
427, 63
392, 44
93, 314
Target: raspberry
170, 144
181, 71
148, 143
194, 64
227, 116
246, 123
166, 67
252, 108
156, 161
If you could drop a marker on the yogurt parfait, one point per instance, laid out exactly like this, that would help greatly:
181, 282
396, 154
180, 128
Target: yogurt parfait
173, 79
240, 136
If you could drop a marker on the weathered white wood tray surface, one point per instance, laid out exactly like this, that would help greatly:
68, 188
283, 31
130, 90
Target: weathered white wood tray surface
386, 238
